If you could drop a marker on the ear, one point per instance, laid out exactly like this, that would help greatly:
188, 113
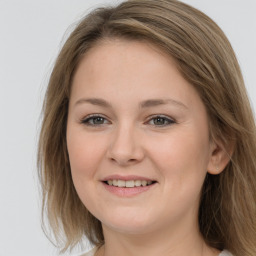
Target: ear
219, 158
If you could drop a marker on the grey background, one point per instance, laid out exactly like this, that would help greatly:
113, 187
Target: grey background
31, 34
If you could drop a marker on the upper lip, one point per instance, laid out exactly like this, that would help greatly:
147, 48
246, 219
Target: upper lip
127, 177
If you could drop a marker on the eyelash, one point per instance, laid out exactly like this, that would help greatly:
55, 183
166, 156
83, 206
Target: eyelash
169, 120
87, 121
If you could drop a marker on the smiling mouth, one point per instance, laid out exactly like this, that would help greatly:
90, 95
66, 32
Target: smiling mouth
129, 183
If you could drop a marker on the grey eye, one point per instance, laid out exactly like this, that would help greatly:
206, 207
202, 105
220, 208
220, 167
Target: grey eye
161, 121
97, 120
94, 121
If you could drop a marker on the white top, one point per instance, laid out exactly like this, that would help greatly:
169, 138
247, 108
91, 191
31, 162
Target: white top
92, 252
225, 253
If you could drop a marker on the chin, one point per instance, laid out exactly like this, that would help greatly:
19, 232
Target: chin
128, 224
127, 228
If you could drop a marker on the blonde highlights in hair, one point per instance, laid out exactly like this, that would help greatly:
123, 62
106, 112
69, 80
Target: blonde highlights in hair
205, 58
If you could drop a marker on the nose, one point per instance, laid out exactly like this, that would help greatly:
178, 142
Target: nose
125, 147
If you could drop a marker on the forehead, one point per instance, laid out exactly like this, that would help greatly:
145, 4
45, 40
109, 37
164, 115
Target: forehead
134, 69
114, 56
120, 52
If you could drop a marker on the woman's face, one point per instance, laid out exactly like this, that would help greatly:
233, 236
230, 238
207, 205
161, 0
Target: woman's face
138, 139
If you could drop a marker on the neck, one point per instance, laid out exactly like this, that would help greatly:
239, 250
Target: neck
164, 243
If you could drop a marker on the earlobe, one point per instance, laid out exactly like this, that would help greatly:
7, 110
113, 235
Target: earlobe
219, 158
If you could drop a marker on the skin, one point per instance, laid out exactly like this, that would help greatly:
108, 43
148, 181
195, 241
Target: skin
176, 152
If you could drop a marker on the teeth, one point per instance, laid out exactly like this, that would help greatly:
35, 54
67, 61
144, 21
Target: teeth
137, 183
121, 183
144, 183
129, 183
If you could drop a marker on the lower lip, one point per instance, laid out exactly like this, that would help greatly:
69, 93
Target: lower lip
127, 192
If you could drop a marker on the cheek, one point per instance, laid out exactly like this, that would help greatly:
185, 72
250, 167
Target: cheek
182, 159
84, 153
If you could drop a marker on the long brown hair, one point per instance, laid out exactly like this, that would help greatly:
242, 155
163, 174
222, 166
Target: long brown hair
205, 58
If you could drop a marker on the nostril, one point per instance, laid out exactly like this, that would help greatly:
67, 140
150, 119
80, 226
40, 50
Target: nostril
123, 161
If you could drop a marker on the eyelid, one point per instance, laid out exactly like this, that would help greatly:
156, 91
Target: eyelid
169, 119
85, 120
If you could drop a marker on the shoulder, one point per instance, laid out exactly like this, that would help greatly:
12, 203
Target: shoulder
225, 253
90, 253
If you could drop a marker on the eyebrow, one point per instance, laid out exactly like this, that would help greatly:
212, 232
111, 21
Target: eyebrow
143, 104
157, 102
94, 101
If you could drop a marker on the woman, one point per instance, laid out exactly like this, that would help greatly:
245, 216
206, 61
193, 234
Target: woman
148, 139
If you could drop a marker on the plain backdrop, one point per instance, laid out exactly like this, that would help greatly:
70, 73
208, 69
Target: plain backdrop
31, 34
